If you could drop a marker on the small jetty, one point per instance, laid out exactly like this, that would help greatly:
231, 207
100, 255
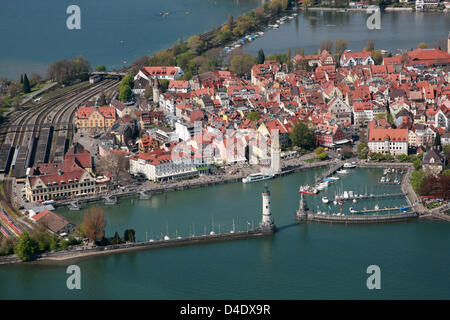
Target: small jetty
144, 196
329, 172
109, 200
304, 214
349, 195
74, 206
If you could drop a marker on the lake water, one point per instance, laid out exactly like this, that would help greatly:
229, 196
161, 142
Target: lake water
34, 33
399, 30
301, 261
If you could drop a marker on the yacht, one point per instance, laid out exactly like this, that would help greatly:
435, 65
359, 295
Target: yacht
325, 200
350, 165
382, 179
353, 210
345, 195
257, 177
322, 185
308, 190
342, 171
331, 179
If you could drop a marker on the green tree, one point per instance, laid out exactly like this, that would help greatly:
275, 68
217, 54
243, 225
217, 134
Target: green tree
302, 136
125, 93
100, 68
164, 83
326, 45
306, 4
26, 84
230, 22
377, 57
116, 239
362, 150
319, 150
339, 47
129, 235
162, 58
422, 45
417, 163
241, 65
6, 246
261, 56
417, 179
25, 247
322, 156
196, 44
253, 116
64, 244
437, 140
54, 243
370, 46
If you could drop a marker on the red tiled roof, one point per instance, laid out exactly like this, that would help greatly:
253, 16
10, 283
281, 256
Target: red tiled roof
378, 134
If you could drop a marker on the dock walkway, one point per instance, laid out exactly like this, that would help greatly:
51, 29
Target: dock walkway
330, 171
395, 217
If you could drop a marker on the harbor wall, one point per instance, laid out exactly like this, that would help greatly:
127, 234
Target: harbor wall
383, 218
81, 253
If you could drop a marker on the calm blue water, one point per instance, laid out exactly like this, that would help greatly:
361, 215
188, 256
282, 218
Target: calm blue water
301, 261
399, 30
34, 33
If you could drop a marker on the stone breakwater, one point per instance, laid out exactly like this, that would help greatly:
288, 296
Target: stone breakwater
77, 253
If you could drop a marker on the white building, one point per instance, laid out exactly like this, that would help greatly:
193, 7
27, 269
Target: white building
160, 73
159, 166
362, 113
349, 59
388, 141
184, 130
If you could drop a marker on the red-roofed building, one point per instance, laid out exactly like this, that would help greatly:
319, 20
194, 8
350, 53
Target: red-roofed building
95, 119
167, 73
428, 57
328, 136
388, 141
54, 222
350, 59
158, 164
68, 179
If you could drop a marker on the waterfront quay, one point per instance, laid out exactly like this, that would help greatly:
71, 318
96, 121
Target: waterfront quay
361, 219
76, 253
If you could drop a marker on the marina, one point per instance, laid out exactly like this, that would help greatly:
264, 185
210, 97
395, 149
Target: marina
197, 271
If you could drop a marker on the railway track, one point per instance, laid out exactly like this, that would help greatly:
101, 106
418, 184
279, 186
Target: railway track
63, 120
25, 128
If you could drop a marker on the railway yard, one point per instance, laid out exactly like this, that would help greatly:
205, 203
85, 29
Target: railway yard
40, 133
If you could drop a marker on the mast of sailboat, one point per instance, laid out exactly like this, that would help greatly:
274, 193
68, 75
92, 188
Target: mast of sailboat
167, 228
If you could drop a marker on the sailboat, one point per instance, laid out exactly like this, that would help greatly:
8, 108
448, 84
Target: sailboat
166, 237
232, 231
212, 227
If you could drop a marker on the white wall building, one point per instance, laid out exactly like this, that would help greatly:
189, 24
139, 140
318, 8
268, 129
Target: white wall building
388, 141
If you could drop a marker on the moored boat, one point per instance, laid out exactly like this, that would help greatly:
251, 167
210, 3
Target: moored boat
308, 190
257, 177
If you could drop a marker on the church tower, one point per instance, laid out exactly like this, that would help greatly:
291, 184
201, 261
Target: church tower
275, 152
267, 224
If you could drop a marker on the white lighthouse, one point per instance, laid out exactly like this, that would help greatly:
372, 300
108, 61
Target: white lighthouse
267, 223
